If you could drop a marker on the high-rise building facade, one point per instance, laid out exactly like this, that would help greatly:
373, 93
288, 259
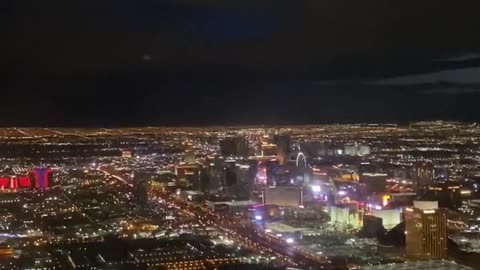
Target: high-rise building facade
41, 178
216, 175
423, 173
189, 173
425, 233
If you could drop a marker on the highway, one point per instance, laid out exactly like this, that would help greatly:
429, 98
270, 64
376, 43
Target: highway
211, 219
241, 231
119, 178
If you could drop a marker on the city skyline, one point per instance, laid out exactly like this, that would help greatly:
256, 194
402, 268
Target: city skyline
311, 197
239, 135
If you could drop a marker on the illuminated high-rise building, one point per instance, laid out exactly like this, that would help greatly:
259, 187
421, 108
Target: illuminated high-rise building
423, 173
425, 231
189, 173
41, 178
216, 174
448, 193
142, 182
239, 178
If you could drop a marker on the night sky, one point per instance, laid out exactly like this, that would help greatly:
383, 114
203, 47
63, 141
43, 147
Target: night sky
212, 62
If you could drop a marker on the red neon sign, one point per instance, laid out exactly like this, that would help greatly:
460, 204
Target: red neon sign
14, 183
40, 177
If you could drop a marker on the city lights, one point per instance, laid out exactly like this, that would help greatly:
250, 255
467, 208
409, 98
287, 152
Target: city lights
223, 204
